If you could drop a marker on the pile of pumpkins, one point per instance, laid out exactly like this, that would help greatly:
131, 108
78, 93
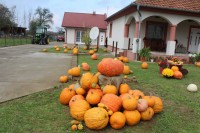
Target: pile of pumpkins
98, 106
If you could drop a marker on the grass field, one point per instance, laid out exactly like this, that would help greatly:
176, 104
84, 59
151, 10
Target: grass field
14, 41
42, 112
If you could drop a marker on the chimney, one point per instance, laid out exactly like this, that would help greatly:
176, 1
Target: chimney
94, 13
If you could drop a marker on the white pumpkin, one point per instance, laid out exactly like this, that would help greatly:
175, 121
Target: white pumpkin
192, 87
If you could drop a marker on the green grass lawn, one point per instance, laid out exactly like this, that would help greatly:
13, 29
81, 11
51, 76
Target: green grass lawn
42, 112
12, 42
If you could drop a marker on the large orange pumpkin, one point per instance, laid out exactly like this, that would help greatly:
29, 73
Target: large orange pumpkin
117, 120
93, 97
96, 118
78, 109
129, 103
158, 106
112, 101
75, 98
110, 67
144, 65
110, 89
147, 114
66, 95
132, 117
178, 75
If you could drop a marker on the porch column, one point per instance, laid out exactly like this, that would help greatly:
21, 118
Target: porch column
65, 35
126, 34
136, 39
171, 43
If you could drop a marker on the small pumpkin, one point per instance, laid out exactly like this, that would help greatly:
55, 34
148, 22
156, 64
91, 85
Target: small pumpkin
93, 97
147, 114
78, 109
80, 91
158, 106
85, 66
129, 103
63, 79
121, 58
44, 50
110, 89
197, 64
142, 105
75, 71
175, 68
125, 95
55, 46
112, 101
96, 118
126, 70
94, 57
124, 88
94, 80
110, 67
57, 49
132, 117
117, 120
66, 95
105, 50
65, 51
125, 60
99, 91
136, 93
144, 65
150, 100
178, 75
85, 80
75, 98
91, 52
85, 48
74, 127
75, 51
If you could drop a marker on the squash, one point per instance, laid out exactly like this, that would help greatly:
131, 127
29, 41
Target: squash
150, 100
158, 106
126, 70
144, 65
63, 79
85, 66
117, 120
75, 51
192, 87
110, 67
85, 80
178, 75
132, 117
66, 95
147, 114
78, 109
125, 60
96, 118
94, 57
142, 105
75, 71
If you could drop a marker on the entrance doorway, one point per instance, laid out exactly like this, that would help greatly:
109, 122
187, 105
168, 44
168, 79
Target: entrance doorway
194, 40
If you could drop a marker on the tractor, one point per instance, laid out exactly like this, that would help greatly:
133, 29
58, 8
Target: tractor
41, 36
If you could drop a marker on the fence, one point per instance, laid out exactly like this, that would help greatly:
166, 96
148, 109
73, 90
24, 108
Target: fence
6, 40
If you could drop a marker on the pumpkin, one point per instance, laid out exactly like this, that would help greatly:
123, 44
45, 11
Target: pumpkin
125, 59
99, 91
85, 66
126, 70
64, 45
95, 50
75, 51
105, 50
192, 87
136, 93
93, 97
150, 100
110, 67
75, 71
132, 117
178, 75
74, 127
85, 48
94, 57
117, 120
112, 101
80, 126
63, 79
80, 91
121, 58
96, 118
175, 68
94, 80
44, 50
85, 80
57, 49
72, 86
125, 95
65, 51
91, 52
75, 98
78, 109
147, 114
124, 88
144, 65
158, 106
129, 103
142, 105
197, 64
109, 89
66, 95
55, 46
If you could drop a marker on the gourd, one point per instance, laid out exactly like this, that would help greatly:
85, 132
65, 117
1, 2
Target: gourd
192, 87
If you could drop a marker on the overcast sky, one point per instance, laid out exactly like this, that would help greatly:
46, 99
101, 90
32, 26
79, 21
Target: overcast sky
58, 7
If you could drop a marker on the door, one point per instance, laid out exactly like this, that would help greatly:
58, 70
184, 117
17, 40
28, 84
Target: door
194, 41
102, 38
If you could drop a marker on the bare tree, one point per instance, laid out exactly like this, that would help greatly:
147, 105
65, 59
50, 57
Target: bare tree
24, 19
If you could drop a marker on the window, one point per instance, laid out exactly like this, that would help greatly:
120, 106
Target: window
79, 35
110, 35
155, 31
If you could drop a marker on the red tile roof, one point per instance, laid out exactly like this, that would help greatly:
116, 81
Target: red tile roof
84, 20
188, 5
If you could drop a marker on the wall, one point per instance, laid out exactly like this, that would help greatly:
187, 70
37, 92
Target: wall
70, 36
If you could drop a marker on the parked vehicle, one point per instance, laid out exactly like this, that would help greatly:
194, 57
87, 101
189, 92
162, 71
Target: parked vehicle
41, 36
60, 38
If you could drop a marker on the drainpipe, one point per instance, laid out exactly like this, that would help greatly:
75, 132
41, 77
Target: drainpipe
140, 17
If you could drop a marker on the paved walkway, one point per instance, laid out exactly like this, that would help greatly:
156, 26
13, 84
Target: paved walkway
25, 70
